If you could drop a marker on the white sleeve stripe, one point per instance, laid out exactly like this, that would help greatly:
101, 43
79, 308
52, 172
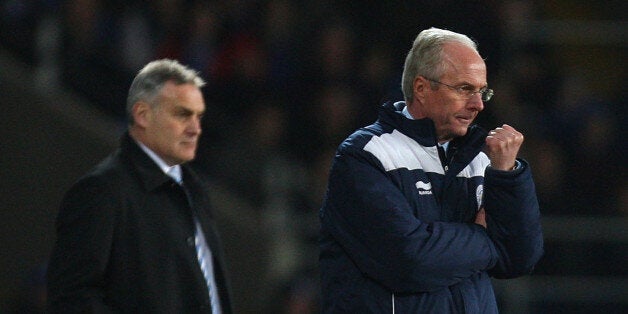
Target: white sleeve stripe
396, 150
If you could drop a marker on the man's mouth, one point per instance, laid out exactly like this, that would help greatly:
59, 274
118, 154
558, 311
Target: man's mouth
465, 120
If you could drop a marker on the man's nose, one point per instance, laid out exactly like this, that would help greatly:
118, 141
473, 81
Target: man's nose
195, 125
475, 102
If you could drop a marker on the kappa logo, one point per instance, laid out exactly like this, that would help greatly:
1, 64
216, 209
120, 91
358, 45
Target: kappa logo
424, 188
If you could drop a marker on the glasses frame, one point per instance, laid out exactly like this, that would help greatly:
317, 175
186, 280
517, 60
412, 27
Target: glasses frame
485, 93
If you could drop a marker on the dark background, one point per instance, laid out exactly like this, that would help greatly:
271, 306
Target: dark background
287, 81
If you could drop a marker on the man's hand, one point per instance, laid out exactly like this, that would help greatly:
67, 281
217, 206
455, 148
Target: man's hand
502, 147
480, 217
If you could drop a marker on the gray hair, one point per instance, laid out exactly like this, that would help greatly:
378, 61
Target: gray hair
426, 56
149, 81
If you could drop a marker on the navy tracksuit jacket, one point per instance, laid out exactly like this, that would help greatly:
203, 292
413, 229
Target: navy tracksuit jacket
397, 231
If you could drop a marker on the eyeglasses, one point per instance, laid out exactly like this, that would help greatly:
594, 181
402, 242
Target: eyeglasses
467, 91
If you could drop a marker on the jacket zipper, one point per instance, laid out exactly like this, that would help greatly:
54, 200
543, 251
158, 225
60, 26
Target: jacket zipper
393, 303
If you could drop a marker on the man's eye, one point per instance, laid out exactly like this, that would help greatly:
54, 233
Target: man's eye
467, 88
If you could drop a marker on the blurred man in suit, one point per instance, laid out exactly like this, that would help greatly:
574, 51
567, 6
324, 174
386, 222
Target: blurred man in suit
136, 234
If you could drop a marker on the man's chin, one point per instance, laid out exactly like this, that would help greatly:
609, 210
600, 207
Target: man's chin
189, 158
458, 133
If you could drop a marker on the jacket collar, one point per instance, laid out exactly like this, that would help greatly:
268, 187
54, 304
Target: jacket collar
423, 130
420, 130
147, 170
463, 149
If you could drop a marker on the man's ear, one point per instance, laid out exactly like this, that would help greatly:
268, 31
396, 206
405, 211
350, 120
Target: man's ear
419, 87
141, 113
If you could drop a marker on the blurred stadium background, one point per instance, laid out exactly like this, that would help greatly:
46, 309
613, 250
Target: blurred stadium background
287, 81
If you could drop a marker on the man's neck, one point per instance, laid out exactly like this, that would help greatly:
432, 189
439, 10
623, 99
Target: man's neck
167, 169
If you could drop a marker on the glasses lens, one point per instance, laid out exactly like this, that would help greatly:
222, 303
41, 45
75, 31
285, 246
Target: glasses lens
487, 95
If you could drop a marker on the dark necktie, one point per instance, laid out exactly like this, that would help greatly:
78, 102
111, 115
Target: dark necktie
203, 254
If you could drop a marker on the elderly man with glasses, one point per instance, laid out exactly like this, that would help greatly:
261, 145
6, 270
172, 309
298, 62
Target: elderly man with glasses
423, 206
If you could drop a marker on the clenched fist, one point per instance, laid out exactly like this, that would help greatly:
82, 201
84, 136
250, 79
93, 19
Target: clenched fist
502, 147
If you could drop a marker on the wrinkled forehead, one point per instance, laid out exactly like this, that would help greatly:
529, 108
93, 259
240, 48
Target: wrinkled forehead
182, 95
463, 62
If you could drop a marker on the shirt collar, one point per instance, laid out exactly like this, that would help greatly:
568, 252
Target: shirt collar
406, 113
172, 171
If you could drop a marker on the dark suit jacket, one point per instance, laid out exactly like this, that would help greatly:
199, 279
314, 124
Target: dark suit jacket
125, 241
